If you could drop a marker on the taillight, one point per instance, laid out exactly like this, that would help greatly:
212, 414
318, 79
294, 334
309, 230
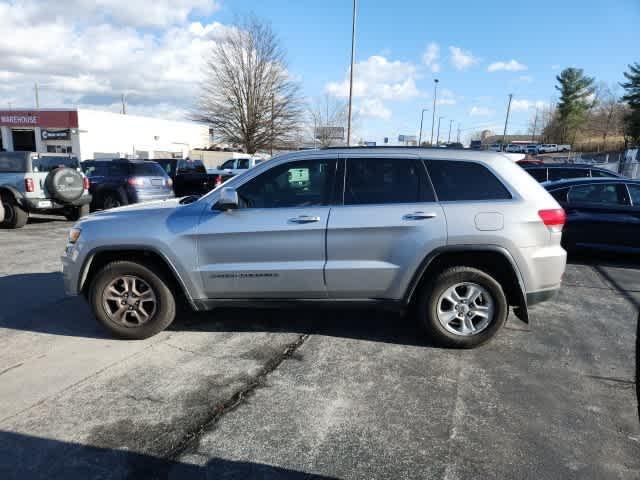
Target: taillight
554, 219
218, 181
135, 181
29, 186
85, 183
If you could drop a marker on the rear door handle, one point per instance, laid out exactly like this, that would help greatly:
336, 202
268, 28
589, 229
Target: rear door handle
304, 219
419, 215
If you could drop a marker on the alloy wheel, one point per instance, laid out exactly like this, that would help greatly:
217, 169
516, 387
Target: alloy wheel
465, 309
129, 301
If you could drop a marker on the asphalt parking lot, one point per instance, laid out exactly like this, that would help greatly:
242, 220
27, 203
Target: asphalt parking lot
314, 394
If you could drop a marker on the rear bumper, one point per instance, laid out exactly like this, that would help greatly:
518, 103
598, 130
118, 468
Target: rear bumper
42, 204
139, 197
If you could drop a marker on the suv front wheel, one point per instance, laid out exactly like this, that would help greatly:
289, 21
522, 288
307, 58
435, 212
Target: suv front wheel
76, 213
462, 307
132, 300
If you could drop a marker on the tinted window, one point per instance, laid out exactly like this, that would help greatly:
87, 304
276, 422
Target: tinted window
600, 173
380, 180
540, 174
117, 169
166, 164
560, 195
150, 169
46, 164
191, 166
560, 173
600, 193
294, 184
634, 191
12, 162
227, 165
243, 163
465, 181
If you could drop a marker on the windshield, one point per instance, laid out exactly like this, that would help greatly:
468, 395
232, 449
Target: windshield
147, 169
191, 166
46, 164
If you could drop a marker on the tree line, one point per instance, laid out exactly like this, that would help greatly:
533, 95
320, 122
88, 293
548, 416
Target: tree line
594, 116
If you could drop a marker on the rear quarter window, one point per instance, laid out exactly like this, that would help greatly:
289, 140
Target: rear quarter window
600, 173
47, 164
12, 163
465, 181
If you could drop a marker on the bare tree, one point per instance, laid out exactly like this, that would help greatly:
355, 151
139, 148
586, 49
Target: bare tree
327, 116
247, 94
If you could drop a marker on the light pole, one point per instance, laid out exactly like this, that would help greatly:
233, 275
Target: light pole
449, 137
506, 120
353, 54
433, 115
421, 119
438, 136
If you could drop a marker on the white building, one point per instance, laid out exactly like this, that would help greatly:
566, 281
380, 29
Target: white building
94, 134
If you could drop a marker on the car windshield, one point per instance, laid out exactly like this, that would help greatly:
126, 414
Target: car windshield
46, 164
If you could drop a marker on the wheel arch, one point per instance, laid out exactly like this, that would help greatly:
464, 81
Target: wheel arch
100, 257
492, 259
9, 190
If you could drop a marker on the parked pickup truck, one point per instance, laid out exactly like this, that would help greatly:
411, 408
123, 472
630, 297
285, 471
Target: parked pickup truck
553, 148
234, 166
189, 177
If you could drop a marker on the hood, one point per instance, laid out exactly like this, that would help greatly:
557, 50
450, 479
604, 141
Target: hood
145, 206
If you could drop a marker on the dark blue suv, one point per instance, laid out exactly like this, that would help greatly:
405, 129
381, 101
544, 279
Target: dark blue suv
120, 182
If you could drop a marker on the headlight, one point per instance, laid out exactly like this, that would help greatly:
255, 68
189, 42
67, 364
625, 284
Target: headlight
74, 235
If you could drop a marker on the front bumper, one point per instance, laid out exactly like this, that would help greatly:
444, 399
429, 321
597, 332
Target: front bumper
35, 204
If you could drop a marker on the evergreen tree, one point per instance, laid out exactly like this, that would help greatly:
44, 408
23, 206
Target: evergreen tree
576, 91
632, 97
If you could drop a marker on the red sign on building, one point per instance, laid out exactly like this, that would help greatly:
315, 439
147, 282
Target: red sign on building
39, 118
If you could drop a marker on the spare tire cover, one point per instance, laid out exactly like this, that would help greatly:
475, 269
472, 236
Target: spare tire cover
64, 184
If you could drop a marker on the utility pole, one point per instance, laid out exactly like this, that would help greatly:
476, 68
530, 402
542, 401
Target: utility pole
272, 125
506, 120
35, 88
421, 119
438, 136
124, 104
458, 137
449, 137
535, 123
353, 54
433, 116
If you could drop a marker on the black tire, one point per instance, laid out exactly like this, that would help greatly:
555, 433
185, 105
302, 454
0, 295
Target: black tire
111, 200
165, 307
76, 213
427, 307
65, 184
14, 215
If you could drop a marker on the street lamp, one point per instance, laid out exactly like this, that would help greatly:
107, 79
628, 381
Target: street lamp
438, 136
433, 116
353, 53
421, 119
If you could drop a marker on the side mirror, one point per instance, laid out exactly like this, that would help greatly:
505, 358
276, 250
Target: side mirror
228, 199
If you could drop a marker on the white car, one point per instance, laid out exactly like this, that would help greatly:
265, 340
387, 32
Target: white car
548, 148
515, 148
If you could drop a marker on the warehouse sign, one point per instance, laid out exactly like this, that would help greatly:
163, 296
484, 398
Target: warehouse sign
55, 134
55, 119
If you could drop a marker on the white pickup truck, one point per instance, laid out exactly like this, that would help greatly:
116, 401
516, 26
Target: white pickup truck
234, 166
553, 148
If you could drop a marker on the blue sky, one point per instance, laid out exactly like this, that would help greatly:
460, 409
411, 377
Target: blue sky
481, 51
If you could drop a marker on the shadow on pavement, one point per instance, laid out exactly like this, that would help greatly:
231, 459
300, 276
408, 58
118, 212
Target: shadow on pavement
46, 219
24, 457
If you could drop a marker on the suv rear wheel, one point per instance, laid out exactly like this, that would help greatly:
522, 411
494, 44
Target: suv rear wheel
14, 215
111, 200
462, 307
132, 300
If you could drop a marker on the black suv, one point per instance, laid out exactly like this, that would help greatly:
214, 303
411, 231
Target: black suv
121, 182
189, 177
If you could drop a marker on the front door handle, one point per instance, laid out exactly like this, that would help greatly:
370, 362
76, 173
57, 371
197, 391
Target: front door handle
419, 215
304, 219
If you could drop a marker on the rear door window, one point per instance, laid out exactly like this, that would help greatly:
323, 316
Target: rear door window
466, 181
46, 164
597, 194
562, 173
191, 166
150, 169
385, 180
12, 162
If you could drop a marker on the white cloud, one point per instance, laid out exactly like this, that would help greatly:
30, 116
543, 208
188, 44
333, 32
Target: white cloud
510, 66
521, 105
430, 57
92, 54
462, 59
446, 97
481, 112
378, 79
371, 107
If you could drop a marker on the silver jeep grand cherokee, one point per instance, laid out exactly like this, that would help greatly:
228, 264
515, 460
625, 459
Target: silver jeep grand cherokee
459, 235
